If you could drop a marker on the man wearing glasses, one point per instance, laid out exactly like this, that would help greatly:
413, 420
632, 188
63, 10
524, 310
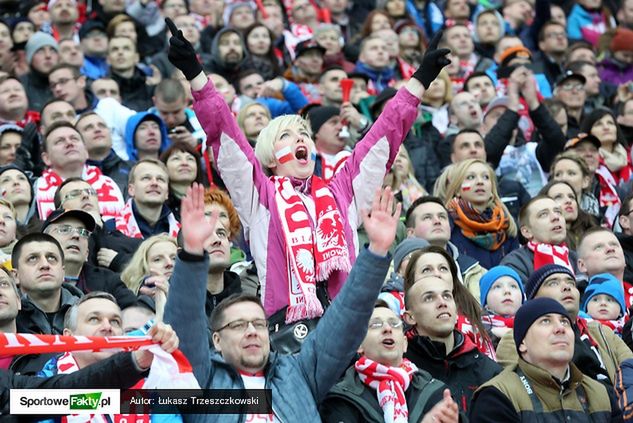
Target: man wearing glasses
570, 89
71, 229
68, 84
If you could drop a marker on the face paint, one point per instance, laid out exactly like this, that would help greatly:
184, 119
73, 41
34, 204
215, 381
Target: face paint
284, 155
466, 186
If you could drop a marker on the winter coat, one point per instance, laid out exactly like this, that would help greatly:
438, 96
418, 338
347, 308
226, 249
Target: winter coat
486, 258
130, 130
217, 65
37, 89
463, 369
298, 382
253, 192
522, 260
421, 149
613, 351
352, 401
615, 72
32, 319
108, 237
506, 398
93, 278
135, 93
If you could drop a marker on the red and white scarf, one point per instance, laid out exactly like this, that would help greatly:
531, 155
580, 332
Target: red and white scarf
66, 364
608, 195
390, 384
549, 254
312, 254
108, 192
127, 225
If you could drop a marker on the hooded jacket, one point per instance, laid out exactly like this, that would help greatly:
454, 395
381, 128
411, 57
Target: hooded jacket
463, 369
130, 130
219, 66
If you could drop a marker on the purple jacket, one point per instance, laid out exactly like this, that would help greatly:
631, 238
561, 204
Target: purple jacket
614, 72
253, 192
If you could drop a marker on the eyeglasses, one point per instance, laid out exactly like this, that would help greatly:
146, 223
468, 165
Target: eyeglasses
62, 81
242, 325
379, 324
78, 193
67, 229
572, 87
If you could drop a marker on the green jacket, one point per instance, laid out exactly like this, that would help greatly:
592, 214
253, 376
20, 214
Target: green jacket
506, 397
613, 351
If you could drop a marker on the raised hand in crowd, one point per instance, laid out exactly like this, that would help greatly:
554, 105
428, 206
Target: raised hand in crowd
445, 411
271, 88
529, 91
180, 134
515, 82
350, 114
162, 334
433, 62
382, 222
182, 55
196, 227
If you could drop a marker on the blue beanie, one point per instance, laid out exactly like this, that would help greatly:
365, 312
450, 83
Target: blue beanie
406, 247
491, 276
538, 277
604, 283
532, 310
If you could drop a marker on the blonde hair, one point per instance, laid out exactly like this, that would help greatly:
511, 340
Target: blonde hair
457, 178
138, 267
397, 180
439, 188
265, 145
241, 116
9, 205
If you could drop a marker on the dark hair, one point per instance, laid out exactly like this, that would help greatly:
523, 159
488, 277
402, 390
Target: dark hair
576, 67
74, 69
170, 90
217, 315
584, 221
184, 147
626, 205
48, 103
596, 115
464, 131
467, 305
28, 239
541, 33
57, 198
245, 74
55, 126
476, 75
270, 54
409, 223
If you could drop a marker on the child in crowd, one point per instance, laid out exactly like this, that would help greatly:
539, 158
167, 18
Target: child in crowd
501, 295
604, 302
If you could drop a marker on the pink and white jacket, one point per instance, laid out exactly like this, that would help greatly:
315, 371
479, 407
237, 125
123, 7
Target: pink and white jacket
108, 192
253, 192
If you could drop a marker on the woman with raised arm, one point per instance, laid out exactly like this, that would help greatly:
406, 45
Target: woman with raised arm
302, 231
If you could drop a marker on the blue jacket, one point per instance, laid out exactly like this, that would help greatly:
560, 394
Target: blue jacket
298, 382
294, 100
488, 259
130, 129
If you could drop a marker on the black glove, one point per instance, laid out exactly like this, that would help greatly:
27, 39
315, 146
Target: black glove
181, 53
433, 61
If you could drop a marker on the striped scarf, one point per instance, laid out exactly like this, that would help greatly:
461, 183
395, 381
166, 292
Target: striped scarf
488, 229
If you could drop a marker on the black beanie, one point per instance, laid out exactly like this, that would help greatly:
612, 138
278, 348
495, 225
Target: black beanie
532, 310
317, 116
538, 277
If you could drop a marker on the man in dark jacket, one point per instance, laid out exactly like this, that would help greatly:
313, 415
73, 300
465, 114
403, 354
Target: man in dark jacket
107, 247
38, 260
68, 84
626, 236
41, 55
354, 398
436, 346
123, 59
98, 140
545, 385
72, 228
542, 224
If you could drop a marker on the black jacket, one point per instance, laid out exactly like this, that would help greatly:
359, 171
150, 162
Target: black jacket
116, 372
513, 195
232, 285
135, 93
551, 142
463, 370
94, 278
37, 89
541, 63
31, 319
108, 237
626, 241
352, 401
421, 148
116, 168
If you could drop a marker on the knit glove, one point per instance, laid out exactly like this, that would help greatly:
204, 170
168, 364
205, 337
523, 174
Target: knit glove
433, 62
181, 53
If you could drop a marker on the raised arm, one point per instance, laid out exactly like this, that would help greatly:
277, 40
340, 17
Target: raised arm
327, 352
374, 154
185, 304
234, 157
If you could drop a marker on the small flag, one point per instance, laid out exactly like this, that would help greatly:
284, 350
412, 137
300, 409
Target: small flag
284, 155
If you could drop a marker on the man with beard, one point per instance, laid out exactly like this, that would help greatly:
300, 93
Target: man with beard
145, 213
228, 54
65, 155
64, 14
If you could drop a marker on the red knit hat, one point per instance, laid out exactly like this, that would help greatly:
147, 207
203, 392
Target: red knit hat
623, 40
